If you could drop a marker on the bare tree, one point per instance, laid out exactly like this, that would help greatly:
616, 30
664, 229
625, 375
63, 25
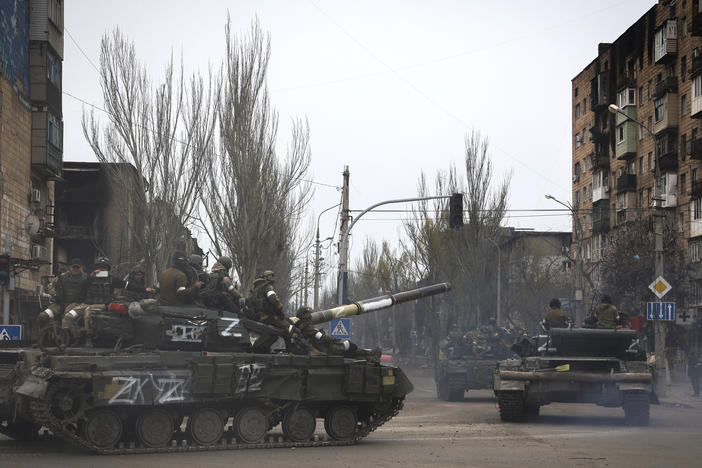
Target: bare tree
255, 200
466, 257
165, 132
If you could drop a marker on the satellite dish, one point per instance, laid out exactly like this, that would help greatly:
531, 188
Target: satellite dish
33, 223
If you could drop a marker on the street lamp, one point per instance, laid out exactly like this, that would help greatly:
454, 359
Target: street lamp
499, 280
579, 293
659, 326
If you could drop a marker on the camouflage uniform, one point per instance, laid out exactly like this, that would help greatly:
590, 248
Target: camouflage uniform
606, 316
99, 293
265, 307
67, 291
318, 341
220, 292
555, 318
135, 289
453, 346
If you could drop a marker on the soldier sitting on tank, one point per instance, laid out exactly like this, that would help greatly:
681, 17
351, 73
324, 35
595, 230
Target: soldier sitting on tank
453, 347
319, 342
67, 291
195, 262
135, 289
179, 284
555, 316
99, 293
263, 305
220, 291
605, 315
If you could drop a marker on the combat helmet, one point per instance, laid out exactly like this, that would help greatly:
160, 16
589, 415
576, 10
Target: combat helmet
304, 313
266, 277
225, 261
103, 261
195, 260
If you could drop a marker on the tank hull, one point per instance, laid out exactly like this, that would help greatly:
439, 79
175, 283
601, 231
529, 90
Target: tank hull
573, 367
141, 401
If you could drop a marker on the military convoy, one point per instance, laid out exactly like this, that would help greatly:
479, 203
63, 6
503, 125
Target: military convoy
185, 378
576, 365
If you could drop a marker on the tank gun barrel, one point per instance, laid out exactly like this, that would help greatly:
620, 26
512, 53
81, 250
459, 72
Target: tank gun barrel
378, 303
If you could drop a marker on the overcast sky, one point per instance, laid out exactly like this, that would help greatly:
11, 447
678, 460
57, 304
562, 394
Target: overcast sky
389, 88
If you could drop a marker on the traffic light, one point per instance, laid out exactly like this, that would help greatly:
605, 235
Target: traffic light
4, 269
456, 211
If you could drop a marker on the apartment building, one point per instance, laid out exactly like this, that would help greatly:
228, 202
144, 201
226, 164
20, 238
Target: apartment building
31, 132
653, 73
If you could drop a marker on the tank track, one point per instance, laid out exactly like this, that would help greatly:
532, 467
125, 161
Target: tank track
636, 406
511, 406
456, 387
180, 443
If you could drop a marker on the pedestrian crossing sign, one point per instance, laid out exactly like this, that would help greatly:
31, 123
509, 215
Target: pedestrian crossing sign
10, 332
341, 328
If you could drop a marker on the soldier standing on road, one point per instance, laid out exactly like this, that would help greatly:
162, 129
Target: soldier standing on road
606, 315
178, 286
555, 316
694, 370
67, 290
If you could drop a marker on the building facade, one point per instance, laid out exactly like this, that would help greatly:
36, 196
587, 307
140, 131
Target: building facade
31, 154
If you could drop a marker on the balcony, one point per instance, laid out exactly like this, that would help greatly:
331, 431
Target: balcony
626, 182
599, 91
600, 218
669, 160
669, 85
697, 25
696, 189
599, 161
626, 215
626, 148
665, 42
668, 119
696, 67
695, 149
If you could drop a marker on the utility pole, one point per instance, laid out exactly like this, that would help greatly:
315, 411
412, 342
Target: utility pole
342, 283
316, 270
307, 263
659, 327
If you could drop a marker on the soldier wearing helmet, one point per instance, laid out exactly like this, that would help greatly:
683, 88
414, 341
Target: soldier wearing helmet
177, 283
221, 291
195, 262
265, 306
555, 316
67, 290
99, 293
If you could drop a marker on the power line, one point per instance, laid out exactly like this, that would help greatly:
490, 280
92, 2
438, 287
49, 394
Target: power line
81, 50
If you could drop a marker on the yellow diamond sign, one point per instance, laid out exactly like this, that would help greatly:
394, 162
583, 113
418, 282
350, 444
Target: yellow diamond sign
660, 287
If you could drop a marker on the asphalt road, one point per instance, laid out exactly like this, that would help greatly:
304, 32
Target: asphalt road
431, 433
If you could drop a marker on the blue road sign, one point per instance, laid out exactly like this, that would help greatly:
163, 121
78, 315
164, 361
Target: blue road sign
10, 332
340, 328
664, 311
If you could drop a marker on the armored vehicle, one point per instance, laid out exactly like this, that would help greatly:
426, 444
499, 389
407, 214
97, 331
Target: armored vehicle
186, 379
463, 367
576, 365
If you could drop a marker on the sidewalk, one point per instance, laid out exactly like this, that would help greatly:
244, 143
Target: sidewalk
680, 394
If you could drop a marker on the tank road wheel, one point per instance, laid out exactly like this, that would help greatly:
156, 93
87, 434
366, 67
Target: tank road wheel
340, 423
456, 387
206, 426
102, 428
442, 389
299, 424
636, 408
154, 428
511, 406
250, 424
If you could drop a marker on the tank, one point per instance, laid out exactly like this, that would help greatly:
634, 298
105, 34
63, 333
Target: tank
576, 365
184, 379
464, 367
